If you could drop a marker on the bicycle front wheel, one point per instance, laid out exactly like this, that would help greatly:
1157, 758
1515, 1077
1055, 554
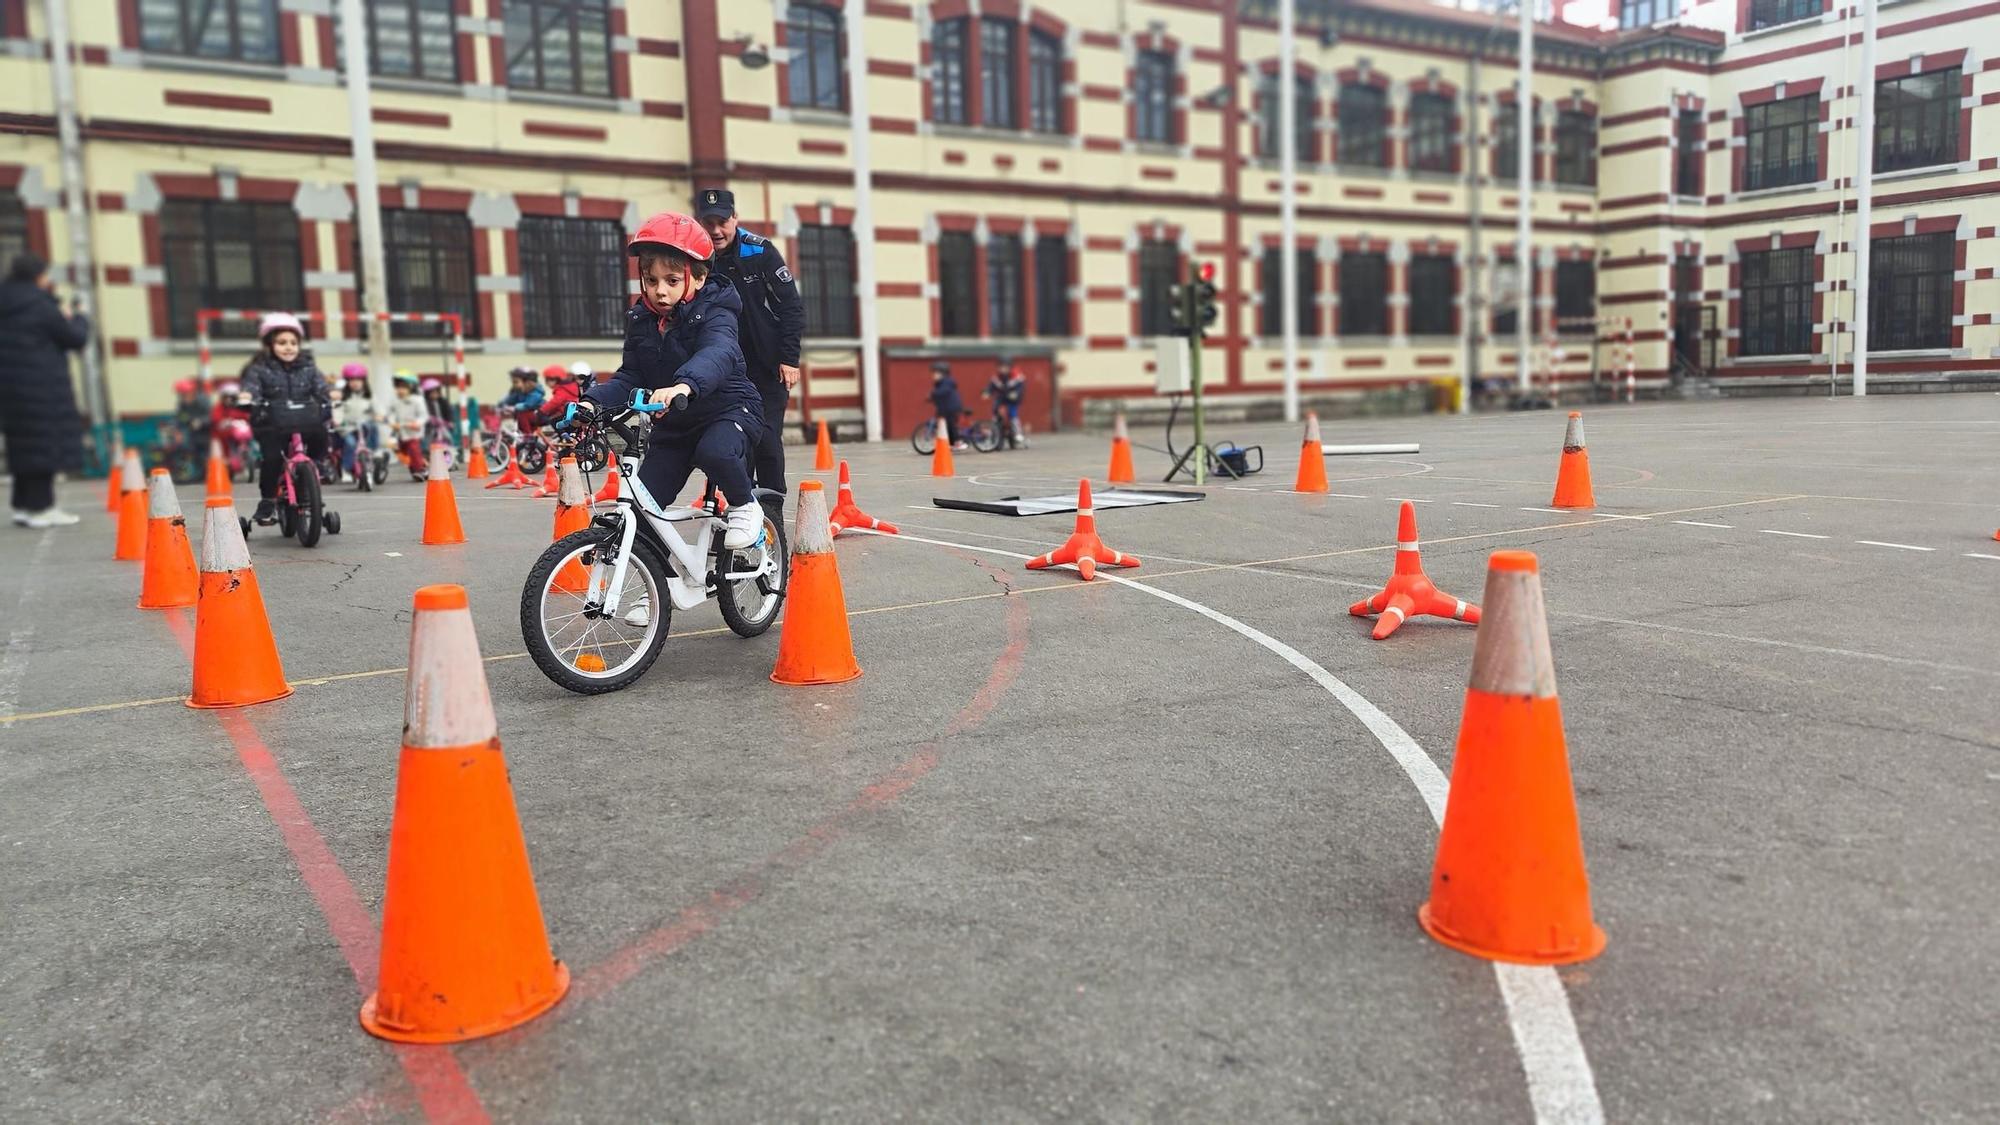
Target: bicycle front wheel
923, 439
573, 642
307, 524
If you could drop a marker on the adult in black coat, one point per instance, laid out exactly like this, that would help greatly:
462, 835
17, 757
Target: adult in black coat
37, 403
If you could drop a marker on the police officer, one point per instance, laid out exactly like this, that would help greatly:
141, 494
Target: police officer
773, 320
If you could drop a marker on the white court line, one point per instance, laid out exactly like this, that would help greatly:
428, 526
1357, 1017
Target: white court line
14, 661
1793, 534
1977, 555
1348, 495
1898, 546
1560, 1084
1470, 504
1705, 523
1556, 511
1616, 516
1409, 499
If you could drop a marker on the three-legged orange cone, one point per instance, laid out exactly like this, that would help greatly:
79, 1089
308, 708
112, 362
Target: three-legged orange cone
941, 456
1509, 883
814, 645
1083, 547
235, 657
1409, 591
171, 579
823, 451
475, 463
609, 492
1121, 454
572, 516
131, 545
218, 470
464, 950
551, 481
1312, 459
511, 475
847, 514
114, 478
441, 524
1573, 475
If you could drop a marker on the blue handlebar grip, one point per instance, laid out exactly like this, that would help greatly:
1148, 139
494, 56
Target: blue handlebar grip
640, 404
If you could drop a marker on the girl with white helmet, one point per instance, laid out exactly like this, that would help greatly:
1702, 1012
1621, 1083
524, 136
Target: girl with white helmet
286, 395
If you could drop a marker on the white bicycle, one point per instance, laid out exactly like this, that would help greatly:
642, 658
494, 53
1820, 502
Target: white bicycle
598, 602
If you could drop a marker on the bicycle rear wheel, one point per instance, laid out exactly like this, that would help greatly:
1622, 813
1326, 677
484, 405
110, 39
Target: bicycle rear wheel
749, 605
986, 437
579, 648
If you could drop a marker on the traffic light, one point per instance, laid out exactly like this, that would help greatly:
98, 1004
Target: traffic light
1205, 311
1177, 308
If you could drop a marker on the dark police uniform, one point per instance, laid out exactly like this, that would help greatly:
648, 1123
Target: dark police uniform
774, 319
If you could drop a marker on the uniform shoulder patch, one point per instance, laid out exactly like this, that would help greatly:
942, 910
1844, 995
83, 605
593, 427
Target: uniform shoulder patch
783, 273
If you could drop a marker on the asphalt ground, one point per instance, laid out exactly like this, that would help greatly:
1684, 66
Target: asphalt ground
1069, 850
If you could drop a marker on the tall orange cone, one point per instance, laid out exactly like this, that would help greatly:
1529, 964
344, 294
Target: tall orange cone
235, 657
814, 645
218, 470
1121, 454
465, 952
131, 545
1083, 547
847, 514
114, 477
441, 526
475, 462
1409, 591
941, 456
823, 453
1509, 883
171, 579
511, 474
1573, 475
609, 493
1312, 459
572, 516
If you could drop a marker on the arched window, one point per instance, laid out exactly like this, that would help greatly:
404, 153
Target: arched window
1303, 124
1432, 144
1044, 81
816, 73
1364, 126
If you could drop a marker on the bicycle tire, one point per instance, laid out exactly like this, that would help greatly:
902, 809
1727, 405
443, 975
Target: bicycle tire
542, 575
985, 437
923, 439
287, 519
311, 519
381, 468
533, 457
739, 622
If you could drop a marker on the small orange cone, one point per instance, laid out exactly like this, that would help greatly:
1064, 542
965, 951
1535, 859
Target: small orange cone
551, 481
1573, 475
1409, 591
1509, 882
847, 514
1083, 547
572, 516
465, 952
941, 456
218, 470
1312, 459
235, 657
475, 463
511, 475
609, 493
823, 454
1121, 454
131, 545
171, 579
114, 478
441, 526
814, 646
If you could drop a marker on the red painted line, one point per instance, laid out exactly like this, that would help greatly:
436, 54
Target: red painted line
441, 1085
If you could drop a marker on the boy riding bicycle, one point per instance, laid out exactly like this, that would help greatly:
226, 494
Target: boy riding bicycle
408, 415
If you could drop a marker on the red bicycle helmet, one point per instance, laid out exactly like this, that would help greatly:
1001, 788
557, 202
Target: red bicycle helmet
675, 231
556, 373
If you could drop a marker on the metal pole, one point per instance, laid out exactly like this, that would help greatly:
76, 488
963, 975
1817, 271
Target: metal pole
1471, 306
1288, 201
864, 219
1864, 200
1191, 310
367, 202
1524, 136
76, 194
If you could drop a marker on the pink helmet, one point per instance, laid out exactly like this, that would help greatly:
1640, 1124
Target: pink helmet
354, 371
674, 231
185, 386
430, 383
279, 321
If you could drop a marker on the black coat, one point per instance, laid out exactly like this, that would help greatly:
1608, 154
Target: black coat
37, 402
696, 345
774, 316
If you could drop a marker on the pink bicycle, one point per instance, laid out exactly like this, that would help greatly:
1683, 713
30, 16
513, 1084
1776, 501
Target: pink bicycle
300, 511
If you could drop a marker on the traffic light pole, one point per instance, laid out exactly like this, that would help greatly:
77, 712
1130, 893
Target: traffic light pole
1193, 311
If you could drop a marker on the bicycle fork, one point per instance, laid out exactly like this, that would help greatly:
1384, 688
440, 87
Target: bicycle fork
628, 530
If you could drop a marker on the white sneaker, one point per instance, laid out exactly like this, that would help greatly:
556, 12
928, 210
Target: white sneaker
641, 613
51, 517
20, 518
743, 526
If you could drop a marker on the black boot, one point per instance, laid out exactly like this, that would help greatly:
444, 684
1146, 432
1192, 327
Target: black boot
267, 512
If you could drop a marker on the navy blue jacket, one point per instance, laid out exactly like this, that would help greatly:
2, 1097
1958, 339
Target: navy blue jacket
945, 397
774, 317
695, 345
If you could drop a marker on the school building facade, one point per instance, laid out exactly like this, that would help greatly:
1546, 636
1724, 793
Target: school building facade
1042, 172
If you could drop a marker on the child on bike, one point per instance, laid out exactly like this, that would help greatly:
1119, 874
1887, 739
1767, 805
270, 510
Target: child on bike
286, 395
1007, 388
408, 415
354, 418
524, 397
946, 400
680, 343
563, 390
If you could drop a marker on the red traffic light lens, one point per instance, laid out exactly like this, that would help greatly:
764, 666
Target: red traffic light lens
1208, 271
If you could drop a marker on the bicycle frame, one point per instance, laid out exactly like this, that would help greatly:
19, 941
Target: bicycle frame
687, 586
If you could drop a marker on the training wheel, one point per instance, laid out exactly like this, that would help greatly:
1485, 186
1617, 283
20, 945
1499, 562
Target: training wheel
245, 522
333, 523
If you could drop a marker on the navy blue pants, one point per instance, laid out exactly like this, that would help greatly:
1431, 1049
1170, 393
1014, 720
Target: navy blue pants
721, 450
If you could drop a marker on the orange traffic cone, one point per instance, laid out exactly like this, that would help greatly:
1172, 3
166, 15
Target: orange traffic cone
551, 481
475, 462
1121, 454
1409, 591
823, 454
235, 657
131, 545
218, 470
170, 579
1509, 882
511, 475
1312, 459
609, 493
464, 950
814, 646
847, 514
941, 456
1573, 475
114, 477
1083, 547
572, 516
441, 526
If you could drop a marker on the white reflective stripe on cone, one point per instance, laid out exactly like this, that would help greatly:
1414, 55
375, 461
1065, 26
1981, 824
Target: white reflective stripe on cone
440, 462
1511, 655
814, 535
1407, 544
570, 493
222, 545
1312, 426
161, 501
132, 476
1573, 436
446, 702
